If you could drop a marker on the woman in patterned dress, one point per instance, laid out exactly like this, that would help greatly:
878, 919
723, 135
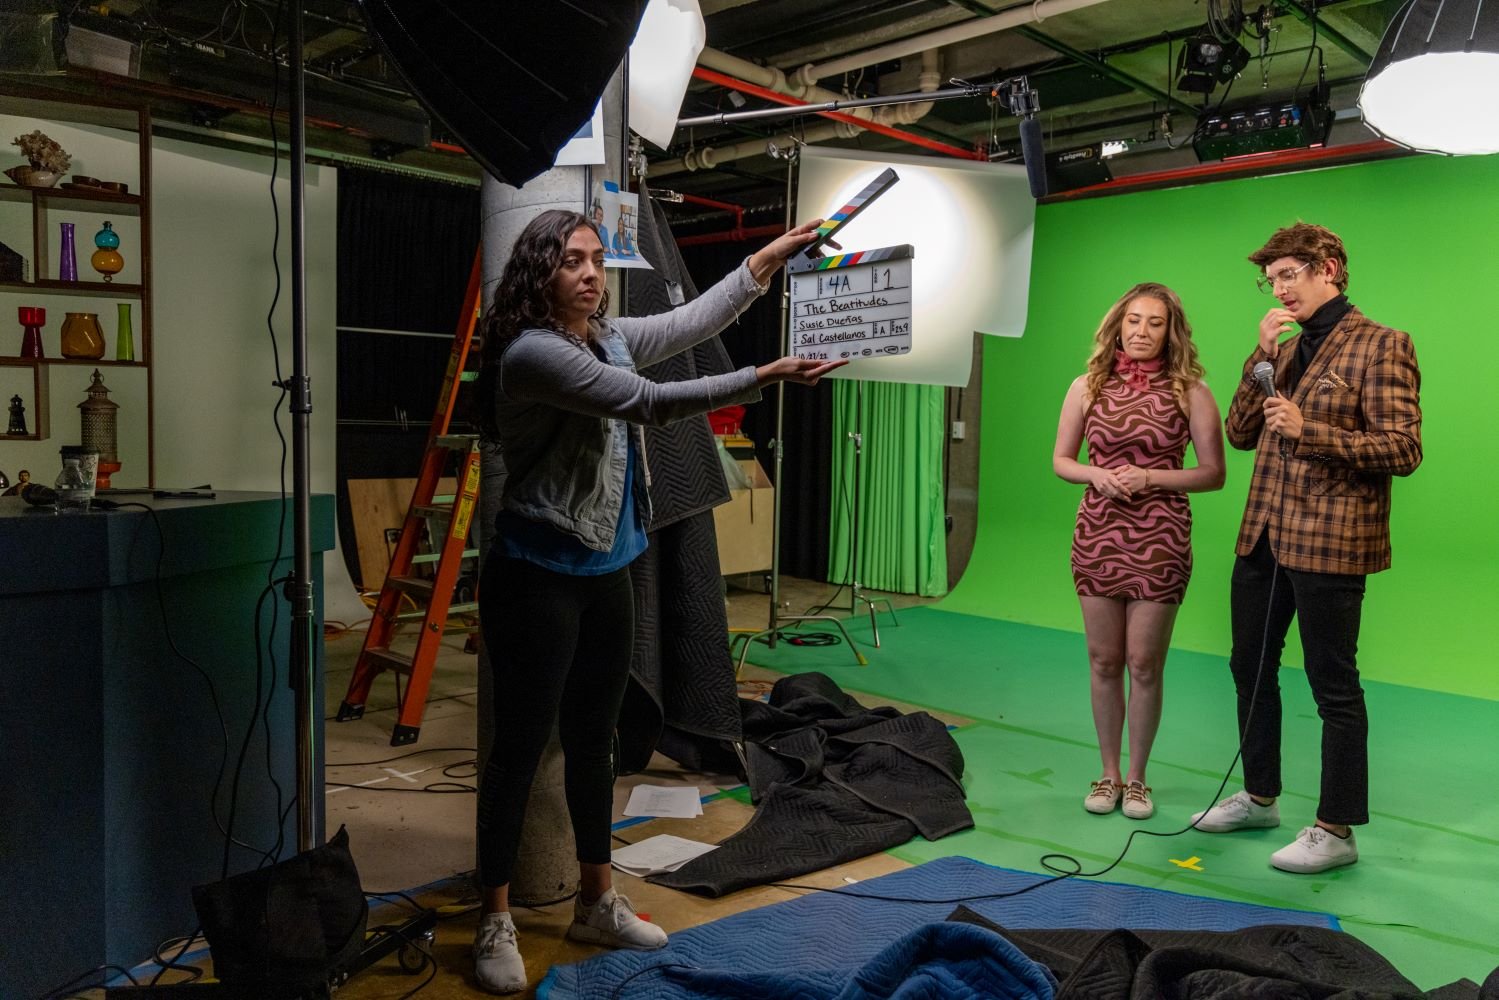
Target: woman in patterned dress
1140, 402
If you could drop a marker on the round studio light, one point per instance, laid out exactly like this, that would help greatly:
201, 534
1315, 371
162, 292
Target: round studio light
1430, 80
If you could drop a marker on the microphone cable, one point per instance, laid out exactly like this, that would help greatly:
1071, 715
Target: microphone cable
1065, 866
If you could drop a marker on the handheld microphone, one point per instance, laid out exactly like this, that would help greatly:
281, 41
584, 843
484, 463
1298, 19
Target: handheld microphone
1264, 374
1034, 155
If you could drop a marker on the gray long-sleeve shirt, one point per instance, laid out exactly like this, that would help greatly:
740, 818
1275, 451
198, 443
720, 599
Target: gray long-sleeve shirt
563, 412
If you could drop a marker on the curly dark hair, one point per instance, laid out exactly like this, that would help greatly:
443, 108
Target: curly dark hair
523, 301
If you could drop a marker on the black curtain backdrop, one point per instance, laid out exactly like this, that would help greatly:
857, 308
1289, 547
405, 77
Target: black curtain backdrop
405, 249
808, 426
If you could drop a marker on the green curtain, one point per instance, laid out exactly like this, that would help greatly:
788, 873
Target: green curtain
902, 530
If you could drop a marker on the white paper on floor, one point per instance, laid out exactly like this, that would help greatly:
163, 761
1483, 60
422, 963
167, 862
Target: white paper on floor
661, 853
675, 801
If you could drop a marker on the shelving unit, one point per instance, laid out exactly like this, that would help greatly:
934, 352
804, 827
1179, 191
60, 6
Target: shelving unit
40, 410
85, 208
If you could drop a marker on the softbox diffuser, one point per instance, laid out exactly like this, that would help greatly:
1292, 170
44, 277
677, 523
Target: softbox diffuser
512, 81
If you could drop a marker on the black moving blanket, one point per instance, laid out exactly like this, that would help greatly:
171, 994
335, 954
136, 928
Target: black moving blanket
832, 781
682, 697
1270, 962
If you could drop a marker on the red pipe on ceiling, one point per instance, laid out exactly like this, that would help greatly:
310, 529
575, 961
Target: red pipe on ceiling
744, 87
733, 235
738, 210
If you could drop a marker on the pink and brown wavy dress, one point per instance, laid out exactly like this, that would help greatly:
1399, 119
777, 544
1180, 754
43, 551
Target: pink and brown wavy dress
1138, 549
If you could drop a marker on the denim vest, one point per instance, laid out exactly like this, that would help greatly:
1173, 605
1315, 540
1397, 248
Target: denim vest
566, 468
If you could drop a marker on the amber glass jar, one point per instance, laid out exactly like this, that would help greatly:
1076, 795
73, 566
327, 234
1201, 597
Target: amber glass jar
81, 336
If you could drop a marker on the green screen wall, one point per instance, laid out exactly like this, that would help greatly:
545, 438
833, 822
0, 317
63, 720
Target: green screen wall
1423, 240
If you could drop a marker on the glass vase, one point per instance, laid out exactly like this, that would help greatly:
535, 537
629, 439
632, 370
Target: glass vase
124, 335
32, 318
81, 337
67, 263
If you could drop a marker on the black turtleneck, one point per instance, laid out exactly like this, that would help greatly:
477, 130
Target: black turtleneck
1315, 330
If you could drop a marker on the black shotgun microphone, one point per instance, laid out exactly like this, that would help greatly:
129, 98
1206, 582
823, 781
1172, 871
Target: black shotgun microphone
1264, 374
1034, 154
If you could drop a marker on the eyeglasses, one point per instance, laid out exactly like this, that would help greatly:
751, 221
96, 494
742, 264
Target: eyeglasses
1284, 276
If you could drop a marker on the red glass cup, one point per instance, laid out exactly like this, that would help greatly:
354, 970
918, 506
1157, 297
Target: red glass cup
32, 318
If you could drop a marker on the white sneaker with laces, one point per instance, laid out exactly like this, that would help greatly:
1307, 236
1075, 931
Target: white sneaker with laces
1237, 812
1316, 850
1137, 804
497, 963
611, 921
1103, 796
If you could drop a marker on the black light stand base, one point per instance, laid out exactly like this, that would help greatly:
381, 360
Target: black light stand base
412, 940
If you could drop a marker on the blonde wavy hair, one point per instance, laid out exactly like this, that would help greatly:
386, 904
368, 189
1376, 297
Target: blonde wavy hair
1178, 353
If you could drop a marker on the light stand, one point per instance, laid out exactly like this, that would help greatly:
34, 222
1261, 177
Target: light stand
776, 618
412, 938
855, 589
299, 590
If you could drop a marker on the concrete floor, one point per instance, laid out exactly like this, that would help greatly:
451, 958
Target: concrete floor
423, 843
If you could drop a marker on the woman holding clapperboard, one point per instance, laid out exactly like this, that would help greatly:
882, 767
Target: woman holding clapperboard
558, 391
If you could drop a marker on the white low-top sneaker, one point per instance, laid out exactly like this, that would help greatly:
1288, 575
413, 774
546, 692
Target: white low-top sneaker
1137, 804
1316, 850
497, 963
1103, 796
1237, 812
611, 921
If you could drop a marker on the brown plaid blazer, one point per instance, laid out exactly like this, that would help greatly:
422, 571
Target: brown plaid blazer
1326, 498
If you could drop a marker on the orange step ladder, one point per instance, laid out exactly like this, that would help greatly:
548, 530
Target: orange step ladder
448, 517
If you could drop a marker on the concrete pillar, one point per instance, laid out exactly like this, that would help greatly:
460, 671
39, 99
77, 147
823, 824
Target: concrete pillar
546, 869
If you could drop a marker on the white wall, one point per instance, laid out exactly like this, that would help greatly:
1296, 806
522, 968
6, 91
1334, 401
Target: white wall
212, 231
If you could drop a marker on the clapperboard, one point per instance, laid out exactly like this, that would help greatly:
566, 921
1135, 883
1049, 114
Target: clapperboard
854, 305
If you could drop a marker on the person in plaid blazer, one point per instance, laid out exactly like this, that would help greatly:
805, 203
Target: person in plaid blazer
1344, 419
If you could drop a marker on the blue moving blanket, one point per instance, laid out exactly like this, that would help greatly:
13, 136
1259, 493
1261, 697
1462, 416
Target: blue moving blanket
825, 942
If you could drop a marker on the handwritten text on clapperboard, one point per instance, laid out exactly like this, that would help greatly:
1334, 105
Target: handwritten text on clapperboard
859, 310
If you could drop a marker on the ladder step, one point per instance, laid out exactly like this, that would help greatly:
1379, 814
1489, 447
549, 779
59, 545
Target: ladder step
414, 585
467, 608
463, 441
431, 510
443, 499
432, 557
389, 659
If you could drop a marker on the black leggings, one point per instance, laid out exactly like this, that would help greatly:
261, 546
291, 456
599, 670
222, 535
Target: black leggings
560, 649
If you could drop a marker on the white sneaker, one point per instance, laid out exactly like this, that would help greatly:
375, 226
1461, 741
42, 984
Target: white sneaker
497, 962
1237, 812
611, 921
1315, 850
1137, 804
1103, 796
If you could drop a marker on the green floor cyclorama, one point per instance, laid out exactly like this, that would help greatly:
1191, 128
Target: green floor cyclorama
1430, 844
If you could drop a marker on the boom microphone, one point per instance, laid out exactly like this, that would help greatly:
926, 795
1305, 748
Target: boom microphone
1264, 374
1034, 154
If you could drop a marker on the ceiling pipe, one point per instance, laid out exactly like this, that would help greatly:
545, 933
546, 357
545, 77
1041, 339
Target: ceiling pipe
1025, 13
706, 157
732, 236
738, 210
772, 79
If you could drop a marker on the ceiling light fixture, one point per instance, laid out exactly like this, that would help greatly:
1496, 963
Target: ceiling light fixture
1437, 58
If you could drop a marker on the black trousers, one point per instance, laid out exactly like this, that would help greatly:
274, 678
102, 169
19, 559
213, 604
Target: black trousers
560, 648
1327, 608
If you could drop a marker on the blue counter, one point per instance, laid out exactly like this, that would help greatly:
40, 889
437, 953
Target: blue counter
110, 743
